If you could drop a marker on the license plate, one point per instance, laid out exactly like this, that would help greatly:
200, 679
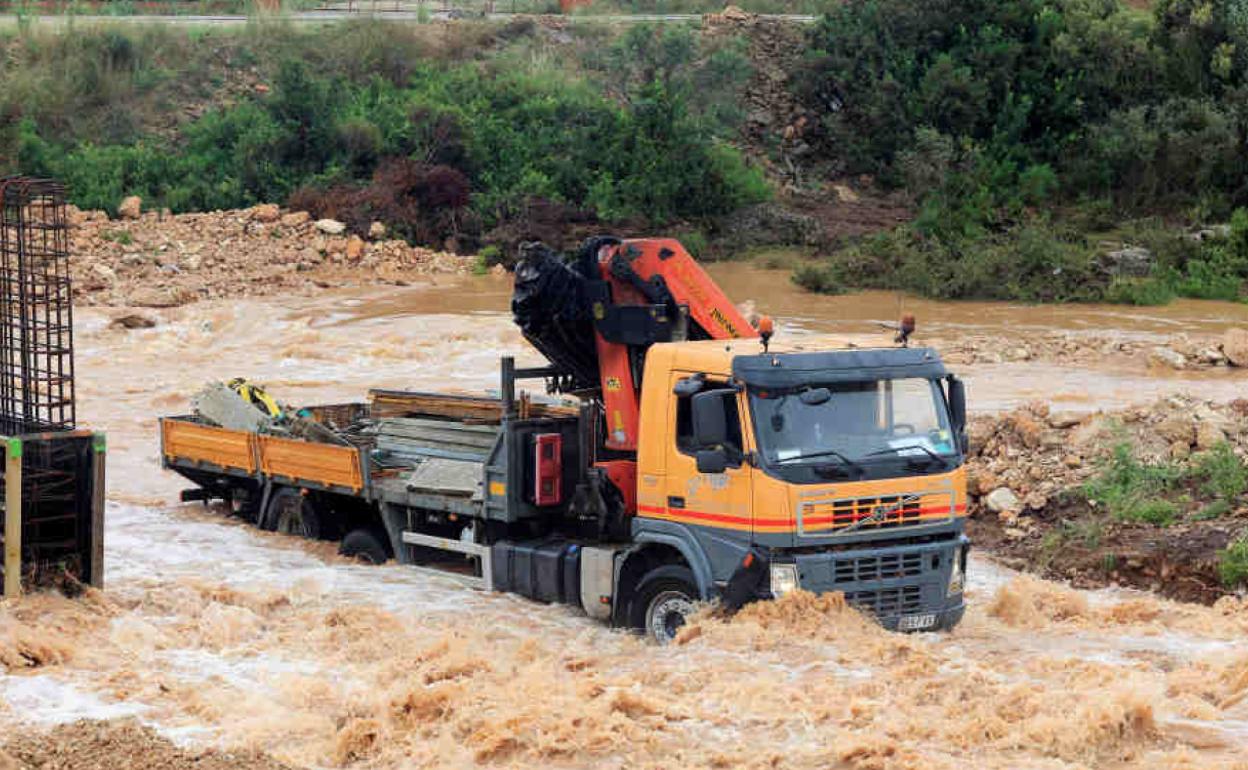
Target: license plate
916, 622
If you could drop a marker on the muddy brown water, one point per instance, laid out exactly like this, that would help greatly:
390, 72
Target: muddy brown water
216, 635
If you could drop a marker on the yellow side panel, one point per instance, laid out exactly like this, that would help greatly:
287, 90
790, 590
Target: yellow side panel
327, 464
208, 444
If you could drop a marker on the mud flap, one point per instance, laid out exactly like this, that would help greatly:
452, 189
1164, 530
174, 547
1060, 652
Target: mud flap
746, 582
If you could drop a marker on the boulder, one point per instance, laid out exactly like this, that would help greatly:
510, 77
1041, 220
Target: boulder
1167, 358
330, 226
1132, 261
104, 271
376, 231
355, 248
134, 321
1235, 346
150, 296
266, 212
1208, 435
1064, 420
295, 218
130, 208
1002, 500
1177, 428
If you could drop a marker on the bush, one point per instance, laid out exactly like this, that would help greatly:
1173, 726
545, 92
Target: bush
1221, 472
820, 278
1134, 491
1139, 291
1233, 563
455, 148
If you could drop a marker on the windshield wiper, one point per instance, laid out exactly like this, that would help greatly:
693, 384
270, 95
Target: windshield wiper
944, 462
829, 453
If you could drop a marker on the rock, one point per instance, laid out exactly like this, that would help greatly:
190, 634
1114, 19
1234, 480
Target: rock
1235, 346
1208, 435
498, 271
1177, 428
376, 231
150, 296
1036, 501
1211, 356
1072, 461
355, 248
134, 321
1002, 500
266, 212
104, 271
1180, 450
1165, 357
844, 194
130, 208
295, 218
1131, 261
1064, 420
330, 226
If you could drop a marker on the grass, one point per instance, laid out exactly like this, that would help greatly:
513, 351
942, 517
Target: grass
1233, 563
1135, 491
1160, 492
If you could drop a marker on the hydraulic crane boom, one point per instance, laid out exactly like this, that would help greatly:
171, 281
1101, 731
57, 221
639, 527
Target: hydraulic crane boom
596, 317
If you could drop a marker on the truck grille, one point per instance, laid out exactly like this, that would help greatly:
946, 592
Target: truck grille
905, 600
877, 567
873, 513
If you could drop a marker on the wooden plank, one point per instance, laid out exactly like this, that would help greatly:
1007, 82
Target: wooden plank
398, 403
328, 464
13, 518
224, 448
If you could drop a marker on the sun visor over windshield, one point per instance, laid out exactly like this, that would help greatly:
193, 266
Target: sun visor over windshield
790, 370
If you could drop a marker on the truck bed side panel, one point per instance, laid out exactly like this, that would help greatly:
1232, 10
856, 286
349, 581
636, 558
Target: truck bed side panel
204, 444
305, 461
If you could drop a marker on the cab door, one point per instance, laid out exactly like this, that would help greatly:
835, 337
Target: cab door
715, 506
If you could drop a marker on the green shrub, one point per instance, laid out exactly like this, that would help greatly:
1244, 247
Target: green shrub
1221, 472
1139, 291
818, 277
1233, 563
1132, 490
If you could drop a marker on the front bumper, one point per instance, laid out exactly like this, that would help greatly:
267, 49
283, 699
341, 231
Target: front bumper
892, 583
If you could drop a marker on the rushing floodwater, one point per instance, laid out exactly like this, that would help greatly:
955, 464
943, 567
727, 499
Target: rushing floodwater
217, 634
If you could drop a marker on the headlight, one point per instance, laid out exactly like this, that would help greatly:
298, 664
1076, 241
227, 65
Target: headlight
957, 577
783, 579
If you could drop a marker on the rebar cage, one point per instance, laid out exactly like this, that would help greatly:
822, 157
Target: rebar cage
36, 308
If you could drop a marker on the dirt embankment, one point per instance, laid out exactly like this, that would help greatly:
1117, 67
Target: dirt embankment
156, 259
1145, 497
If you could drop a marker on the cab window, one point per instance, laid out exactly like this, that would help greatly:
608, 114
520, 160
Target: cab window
684, 423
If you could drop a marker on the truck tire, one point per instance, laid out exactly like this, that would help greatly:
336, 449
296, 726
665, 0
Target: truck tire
665, 597
292, 513
366, 545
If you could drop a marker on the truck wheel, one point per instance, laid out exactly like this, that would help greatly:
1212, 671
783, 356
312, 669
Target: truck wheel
365, 545
665, 597
291, 513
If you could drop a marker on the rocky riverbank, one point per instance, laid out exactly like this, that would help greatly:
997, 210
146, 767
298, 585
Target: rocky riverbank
156, 259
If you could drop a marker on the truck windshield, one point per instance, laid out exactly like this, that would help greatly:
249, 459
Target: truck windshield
870, 429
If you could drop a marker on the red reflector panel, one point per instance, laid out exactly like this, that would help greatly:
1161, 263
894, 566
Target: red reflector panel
548, 466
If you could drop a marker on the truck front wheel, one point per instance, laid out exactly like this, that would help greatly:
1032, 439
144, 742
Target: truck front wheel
665, 597
366, 545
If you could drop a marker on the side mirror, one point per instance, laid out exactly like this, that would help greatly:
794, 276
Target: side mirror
957, 403
710, 425
712, 461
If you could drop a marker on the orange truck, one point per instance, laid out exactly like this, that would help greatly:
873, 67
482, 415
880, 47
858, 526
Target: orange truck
690, 460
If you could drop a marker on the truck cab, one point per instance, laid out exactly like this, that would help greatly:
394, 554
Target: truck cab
838, 470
